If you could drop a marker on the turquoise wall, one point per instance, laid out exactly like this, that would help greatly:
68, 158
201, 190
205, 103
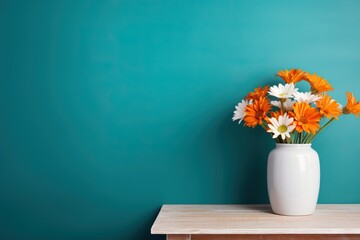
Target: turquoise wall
110, 109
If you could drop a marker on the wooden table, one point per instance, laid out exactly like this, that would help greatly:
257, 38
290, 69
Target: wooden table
250, 222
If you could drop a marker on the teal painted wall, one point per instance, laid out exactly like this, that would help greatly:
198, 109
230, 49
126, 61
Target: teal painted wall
110, 109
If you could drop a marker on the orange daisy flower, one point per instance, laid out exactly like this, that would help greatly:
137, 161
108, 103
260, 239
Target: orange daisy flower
292, 76
328, 107
306, 118
255, 113
318, 84
257, 93
352, 106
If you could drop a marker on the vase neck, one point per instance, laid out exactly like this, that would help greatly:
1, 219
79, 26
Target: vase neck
286, 145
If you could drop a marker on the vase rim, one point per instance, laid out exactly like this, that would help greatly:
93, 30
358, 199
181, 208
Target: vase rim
293, 144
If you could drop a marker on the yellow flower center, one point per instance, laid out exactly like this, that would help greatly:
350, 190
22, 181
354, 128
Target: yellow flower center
282, 128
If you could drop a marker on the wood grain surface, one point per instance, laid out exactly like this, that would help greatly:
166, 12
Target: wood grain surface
255, 219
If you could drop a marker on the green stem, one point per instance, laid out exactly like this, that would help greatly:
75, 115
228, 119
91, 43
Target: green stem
264, 126
303, 137
322, 128
298, 138
307, 136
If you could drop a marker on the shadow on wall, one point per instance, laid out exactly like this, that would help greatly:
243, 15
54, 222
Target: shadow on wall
141, 229
242, 156
234, 155
244, 152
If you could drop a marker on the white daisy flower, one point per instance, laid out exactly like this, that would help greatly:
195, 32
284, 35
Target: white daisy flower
306, 97
239, 113
287, 105
283, 91
283, 126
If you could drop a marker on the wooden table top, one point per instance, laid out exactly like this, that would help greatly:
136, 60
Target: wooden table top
255, 219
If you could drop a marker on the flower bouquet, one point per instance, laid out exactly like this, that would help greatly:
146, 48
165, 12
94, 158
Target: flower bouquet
292, 116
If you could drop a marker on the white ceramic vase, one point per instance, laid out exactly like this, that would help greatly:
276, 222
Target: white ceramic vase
293, 178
